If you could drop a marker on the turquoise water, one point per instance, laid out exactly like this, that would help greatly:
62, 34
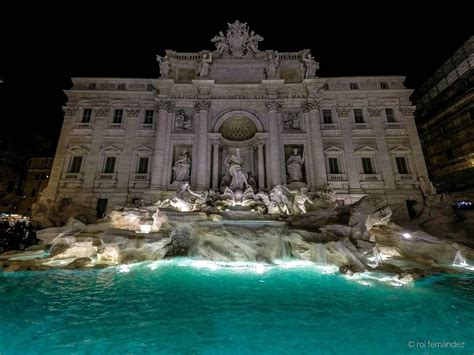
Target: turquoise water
186, 307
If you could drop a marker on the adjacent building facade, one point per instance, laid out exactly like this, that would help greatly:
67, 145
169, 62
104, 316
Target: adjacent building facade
445, 117
211, 111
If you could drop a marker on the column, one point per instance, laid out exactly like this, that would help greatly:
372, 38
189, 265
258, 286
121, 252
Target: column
274, 142
215, 165
160, 143
202, 107
407, 112
385, 167
352, 162
261, 166
319, 163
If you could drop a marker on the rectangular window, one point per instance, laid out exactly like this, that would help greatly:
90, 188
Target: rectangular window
354, 86
367, 166
109, 167
384, 85
390, 115
101, 207
402, 165
118, 114
91, 86
149, 116
142, 166
86, 115
358, 115
76, 163
150, 87
334, 166
121, 87
327, 116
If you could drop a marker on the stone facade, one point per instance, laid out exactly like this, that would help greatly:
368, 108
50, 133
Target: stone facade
136, 138
445, 117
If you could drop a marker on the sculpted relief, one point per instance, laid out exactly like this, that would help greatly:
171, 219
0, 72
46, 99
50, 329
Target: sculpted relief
237, 42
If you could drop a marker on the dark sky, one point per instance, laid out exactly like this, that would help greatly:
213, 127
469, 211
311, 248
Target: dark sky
39, 53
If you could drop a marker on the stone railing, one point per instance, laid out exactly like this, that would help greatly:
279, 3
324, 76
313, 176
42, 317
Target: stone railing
364, 125
393, 125
72, 176
146, 126
405, 177
141, 177
81, 125
370, 177
115, 126
107, 176
328, 126
337, 177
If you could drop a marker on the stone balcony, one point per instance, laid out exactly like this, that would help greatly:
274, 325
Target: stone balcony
405, 178
370, 177
72, 176
337, 177
394, 128
107, 176
364, 126
141, 177
329, 126
330, 129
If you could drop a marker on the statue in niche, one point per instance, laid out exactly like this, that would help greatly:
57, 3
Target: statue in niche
165, 65
299, 200
204, 64
292, 121
310, 66
182, 167
235, 167
272, 65
294, 166
221, 43
183, 122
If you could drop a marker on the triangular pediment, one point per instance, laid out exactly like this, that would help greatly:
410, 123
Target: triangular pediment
366, 150
334, 149
144, 150
78, 149
400, 150
111, 149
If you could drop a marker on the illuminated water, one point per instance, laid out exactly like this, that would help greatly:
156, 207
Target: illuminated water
197, 307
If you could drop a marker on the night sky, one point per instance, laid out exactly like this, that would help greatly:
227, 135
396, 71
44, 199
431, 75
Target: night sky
40, 53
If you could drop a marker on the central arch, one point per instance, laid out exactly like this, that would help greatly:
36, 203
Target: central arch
243, 115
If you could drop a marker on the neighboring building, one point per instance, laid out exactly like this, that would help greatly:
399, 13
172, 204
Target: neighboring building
12, 166
124, 139
38, 170
445, 117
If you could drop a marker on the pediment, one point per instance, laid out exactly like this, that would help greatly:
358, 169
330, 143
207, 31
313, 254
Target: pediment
78, 149
366, 150
334, 149
400, 150
110, 149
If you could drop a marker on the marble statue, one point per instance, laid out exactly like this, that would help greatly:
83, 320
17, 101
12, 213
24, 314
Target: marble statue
299, 200
186, 200
294, 166
221, 43
204, 65
253, 40
182, 167
279, 199
272, 65
310, 66
165, 65
183, 122
426, 186
239, 177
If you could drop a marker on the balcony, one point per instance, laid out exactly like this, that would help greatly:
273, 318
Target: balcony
107, 176
141, 177
146, 126
337, 177
72, 176
81, 125
370, 177
115, 126
328, 126
405, 177
393, 125
364, 125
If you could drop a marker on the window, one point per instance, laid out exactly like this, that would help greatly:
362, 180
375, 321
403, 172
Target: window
86, 115
367, 166
390, 115
358, 115
384, 85
142, 166
450, 154
121, 87
76, 163
101, 207
91, 86
354, 86
402, 165
150, 87
118, 114
149, 116
109, 167
334, 166
327, 116
33, 193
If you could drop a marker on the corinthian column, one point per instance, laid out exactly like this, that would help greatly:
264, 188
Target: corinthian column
163, 107
274, 141
201, 106
311, 107
261, 165
215, 165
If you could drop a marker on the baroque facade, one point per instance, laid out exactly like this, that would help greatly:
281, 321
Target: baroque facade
445, 117
233, 117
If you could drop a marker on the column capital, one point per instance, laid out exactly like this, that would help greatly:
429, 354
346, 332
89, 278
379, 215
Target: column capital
202, 105
259, 144
343, 111
310, 105
102, 111
407, 110
166, 105
273, 104
374, 111
132, 111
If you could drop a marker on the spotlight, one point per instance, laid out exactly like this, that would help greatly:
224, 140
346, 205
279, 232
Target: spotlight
406, 235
